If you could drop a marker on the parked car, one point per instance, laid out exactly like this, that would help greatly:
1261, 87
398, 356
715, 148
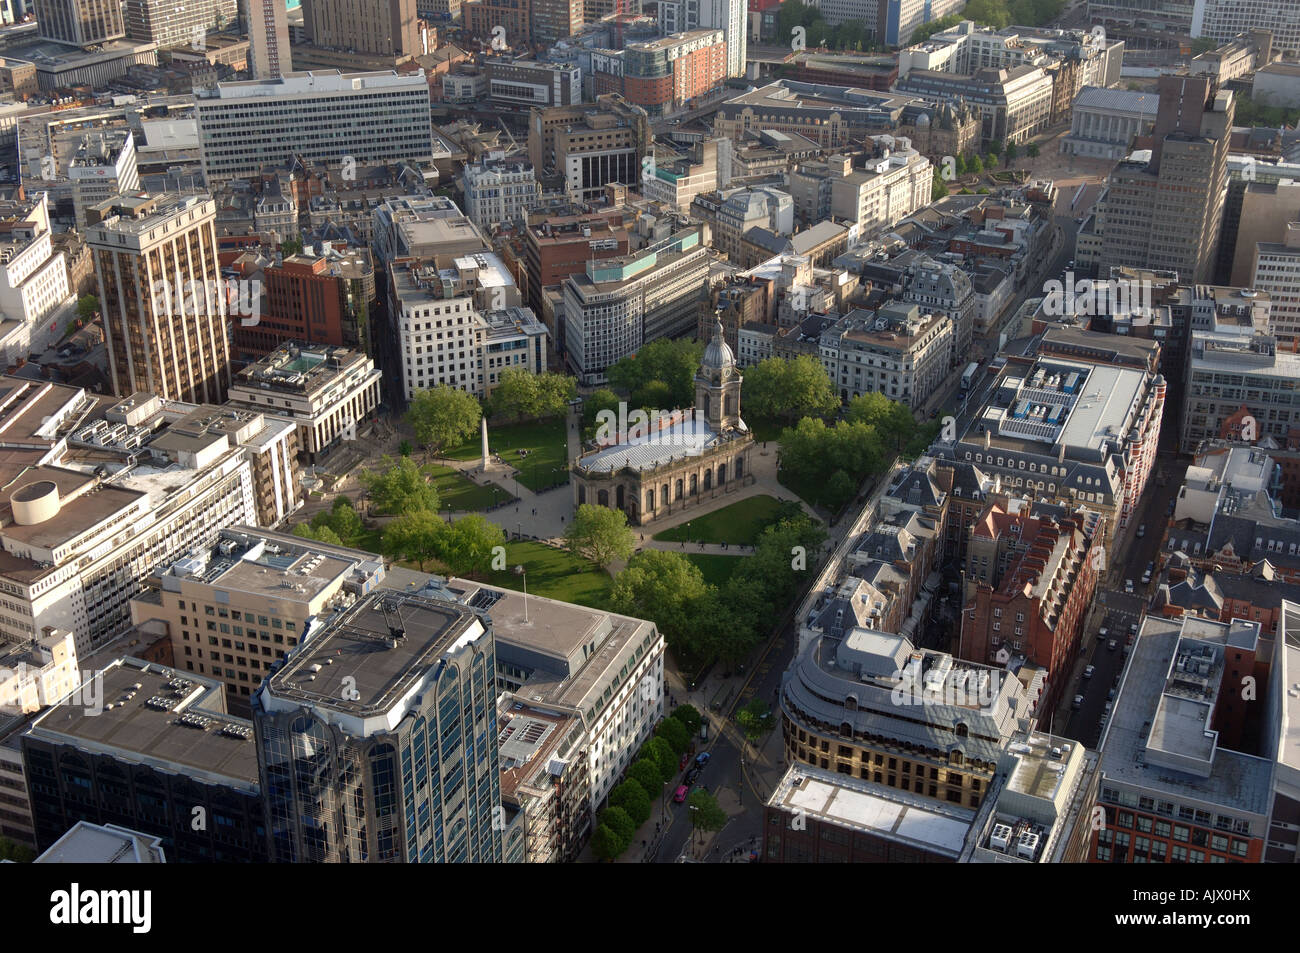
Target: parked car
1102, 633
680, 794
1110, 695
1111, 645
1142, 530
1109, 706
1087, 672
1128, 586
702, 758
686, 759
692, 775
1078, 702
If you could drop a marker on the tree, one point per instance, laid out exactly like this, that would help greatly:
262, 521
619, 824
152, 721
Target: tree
1011, 154
654, 395
321, 534
607, 844
593, 404
87, 305
673, 361
648, 774
659, 585
674, 733
1032, 150
976, 165
658, 750
399, 487
781, 389
891, 419
11, 850
995, 147
444, 417
688, 716
620, 821
633, 799
415, 537
707, 815
755, 719
520, 395
342, 518
990, 161
291, 246
599, 534
937, 188
465, 547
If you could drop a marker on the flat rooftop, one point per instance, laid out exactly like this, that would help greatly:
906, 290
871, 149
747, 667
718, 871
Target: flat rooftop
174, 720
873, 808
354, 664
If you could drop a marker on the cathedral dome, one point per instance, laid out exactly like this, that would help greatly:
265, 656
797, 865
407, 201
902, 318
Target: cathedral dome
718, 356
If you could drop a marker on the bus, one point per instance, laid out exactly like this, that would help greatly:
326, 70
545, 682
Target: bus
968, 378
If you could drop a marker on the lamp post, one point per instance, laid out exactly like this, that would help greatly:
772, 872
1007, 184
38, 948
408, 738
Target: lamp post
519, 571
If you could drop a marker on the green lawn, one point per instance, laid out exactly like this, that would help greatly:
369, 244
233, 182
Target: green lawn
553, 573
546, 441
458, 492
807, 491
740, 523
715, 569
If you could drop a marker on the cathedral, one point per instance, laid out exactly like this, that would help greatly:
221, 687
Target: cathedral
669, 466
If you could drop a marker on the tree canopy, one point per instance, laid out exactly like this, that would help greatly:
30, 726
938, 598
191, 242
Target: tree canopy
521, 395
782, 389
671, 361
399, 487
444, 417
600, 534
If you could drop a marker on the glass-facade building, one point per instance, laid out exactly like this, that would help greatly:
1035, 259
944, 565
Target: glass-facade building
377, 741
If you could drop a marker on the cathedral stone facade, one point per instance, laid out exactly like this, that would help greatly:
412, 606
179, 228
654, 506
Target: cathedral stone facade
701, 456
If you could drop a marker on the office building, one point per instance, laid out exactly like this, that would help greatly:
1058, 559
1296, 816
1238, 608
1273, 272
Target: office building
943, 288
165, 329
1030, 576
378, 27
233, 609
423, 226
34, 283
616, 305
1015, 103
1163, 206
322, 117
1276, 273
498, 21
158, 751
831, 116
324, 295
745, 209
395, 680
472, 309
268, 39
103, 167
554, 20
1182, 779
1220, 363
892, 185
499, 190
677, 181
729, 16
178, 24
870, 705
898, 350
37, 672
1072, 429
325, 391
666, 74
581, 148
825, 817
79, 22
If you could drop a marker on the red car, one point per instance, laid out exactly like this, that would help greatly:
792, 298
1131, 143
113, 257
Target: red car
681, 793
686, 759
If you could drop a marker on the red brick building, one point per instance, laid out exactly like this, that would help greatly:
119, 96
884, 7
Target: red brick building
1029, 582
666, 74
